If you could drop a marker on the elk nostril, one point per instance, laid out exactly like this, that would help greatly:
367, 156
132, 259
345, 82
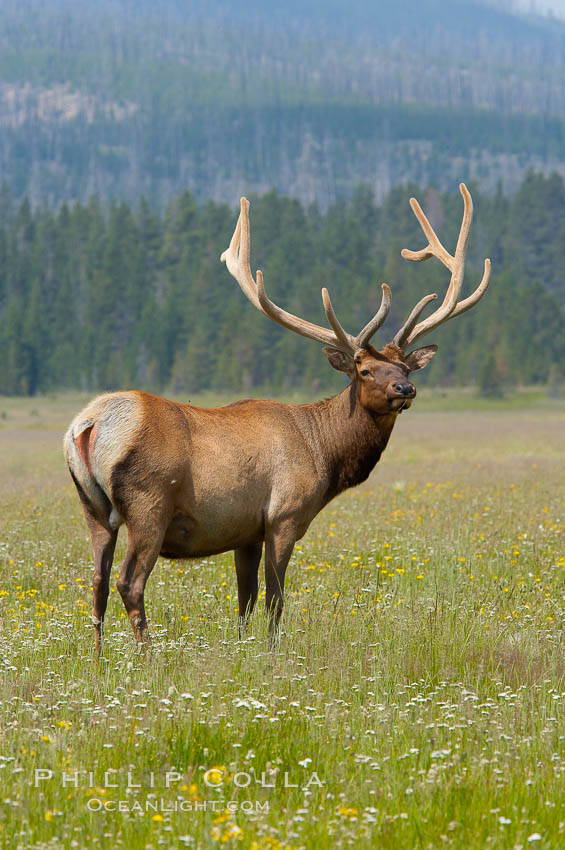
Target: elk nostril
404, 389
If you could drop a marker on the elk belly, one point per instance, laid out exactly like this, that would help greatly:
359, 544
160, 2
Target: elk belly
185, 538
178, 538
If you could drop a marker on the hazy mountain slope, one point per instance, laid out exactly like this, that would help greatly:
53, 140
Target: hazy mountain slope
310, 97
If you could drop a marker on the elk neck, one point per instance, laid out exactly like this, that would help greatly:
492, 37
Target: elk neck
346, 439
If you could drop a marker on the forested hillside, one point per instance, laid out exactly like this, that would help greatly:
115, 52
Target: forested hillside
97, 297
120, 99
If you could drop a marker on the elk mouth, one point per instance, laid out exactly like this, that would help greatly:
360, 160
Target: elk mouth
399, 404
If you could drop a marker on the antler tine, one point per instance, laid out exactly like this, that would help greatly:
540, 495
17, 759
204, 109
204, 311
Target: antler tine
362, 339
449, 308
434, 247
236, 257
404, 332
340, 333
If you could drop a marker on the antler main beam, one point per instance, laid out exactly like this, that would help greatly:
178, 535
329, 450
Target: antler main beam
236, 257
411, 330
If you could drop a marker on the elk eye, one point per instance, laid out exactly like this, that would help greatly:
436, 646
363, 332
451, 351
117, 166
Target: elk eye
365, 372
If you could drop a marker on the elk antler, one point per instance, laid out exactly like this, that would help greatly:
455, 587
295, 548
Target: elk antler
411, 330
236, 257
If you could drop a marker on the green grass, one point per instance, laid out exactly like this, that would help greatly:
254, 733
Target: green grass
418, 689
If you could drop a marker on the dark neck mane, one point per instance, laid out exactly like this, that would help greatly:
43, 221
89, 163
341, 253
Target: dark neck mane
349, 439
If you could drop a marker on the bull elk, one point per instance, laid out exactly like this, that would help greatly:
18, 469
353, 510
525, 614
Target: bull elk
192, 482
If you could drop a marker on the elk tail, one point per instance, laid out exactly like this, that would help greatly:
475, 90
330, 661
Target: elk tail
78, 447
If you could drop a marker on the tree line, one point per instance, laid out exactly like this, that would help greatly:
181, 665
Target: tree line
97, 297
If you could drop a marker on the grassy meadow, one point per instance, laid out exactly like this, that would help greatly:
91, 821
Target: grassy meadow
417, 697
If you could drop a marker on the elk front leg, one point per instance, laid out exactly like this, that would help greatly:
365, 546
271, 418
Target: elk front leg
247, 560
279, 543
104, 544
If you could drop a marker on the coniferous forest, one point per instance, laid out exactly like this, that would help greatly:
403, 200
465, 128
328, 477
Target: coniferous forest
96, 296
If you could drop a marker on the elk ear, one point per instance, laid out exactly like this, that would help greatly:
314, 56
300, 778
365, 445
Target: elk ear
340, 361
420, 357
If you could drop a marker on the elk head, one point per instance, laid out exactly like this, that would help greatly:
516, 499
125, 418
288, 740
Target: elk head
380, 377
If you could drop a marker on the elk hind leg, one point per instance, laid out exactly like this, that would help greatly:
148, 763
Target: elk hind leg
247, 559
145, 539
104, 543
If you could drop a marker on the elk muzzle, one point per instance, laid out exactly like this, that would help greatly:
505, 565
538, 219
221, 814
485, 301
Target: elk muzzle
400, 395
